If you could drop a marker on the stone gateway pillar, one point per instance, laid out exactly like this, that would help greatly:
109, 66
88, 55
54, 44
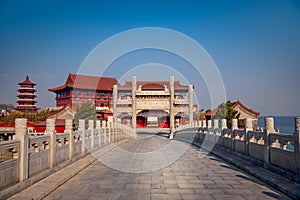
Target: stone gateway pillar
191, 103
133, 89
171, 80
115, 97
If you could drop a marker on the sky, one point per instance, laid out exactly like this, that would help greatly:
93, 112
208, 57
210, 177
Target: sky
254, 44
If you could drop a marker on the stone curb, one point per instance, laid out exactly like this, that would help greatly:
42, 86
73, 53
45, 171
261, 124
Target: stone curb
284, 185
47, 185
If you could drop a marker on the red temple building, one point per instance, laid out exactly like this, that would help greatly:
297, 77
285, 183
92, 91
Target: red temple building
80, 89
26, 102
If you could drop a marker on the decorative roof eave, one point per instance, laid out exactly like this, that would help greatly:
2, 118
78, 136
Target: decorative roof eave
26, 89
84, 82
244, 107
27, 108
177, 85
212, 112
57, 88
26, 94
62, 87
62, 110
235, 104
26, 82
26, 100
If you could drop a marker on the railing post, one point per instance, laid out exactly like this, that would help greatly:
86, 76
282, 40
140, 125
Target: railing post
91, 128
297, 141
98, 128
234, 124
269, 123
69, 130
50, 130
104, 131
109, 131
216, 124
119, 131
223, 127
115, 131
21, 134
81, 130
234, 127
203, 124
248, 127
112, 131
224, 124
195, 124
209, 124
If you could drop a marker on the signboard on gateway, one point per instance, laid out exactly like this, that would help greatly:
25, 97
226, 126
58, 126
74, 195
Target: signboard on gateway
152, 121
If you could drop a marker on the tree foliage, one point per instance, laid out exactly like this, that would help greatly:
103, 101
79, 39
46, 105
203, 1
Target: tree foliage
31, 116
6, 107
87, 112
226, 112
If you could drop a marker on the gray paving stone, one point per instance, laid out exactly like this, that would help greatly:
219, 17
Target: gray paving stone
194, 175
196, 197
166, 197
229, 197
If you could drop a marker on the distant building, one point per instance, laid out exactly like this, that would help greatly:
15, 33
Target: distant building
160, 104
244, 111
63, 112
26, 102
41, 127
80, 89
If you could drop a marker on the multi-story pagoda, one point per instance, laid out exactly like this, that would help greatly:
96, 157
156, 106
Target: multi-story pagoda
26, 102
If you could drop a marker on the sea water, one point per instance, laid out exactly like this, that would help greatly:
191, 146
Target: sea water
285, 124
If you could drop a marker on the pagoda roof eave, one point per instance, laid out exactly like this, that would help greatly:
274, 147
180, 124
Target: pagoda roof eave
26, 82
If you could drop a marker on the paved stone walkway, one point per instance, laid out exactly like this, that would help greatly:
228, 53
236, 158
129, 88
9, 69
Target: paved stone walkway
145, 169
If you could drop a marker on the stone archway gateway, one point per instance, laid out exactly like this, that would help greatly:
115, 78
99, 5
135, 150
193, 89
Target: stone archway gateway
153, 103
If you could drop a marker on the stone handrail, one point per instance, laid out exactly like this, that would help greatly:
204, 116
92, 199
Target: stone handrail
8, 149
38, 143
274, 151
9, 162
284, 142
33, 156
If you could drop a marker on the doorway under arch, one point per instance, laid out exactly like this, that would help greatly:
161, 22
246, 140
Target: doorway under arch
153, 119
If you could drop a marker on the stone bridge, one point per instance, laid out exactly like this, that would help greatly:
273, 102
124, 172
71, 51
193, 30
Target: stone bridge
107, 161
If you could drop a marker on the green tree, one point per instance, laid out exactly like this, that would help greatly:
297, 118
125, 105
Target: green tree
31, 116
7, 107
226, 112
87, 112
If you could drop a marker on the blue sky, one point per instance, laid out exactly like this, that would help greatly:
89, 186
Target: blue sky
255, 45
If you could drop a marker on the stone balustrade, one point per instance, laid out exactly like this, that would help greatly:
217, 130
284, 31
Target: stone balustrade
274, 151
34, 156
